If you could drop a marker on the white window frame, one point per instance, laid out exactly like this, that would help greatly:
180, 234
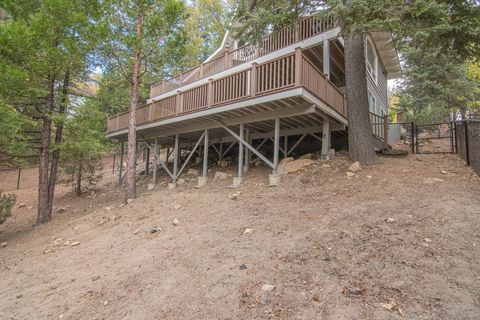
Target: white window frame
371, 97
372, 71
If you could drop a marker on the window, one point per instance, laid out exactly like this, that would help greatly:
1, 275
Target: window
371, 59
372, 102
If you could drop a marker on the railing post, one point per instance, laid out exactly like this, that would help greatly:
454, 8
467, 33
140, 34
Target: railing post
253, 80
178, 103
210, 93
116, 122
150, 108
226, 60
298, 66
297, 31
385, 132
201, 70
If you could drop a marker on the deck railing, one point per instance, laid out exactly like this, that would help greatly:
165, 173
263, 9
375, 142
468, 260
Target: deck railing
306, 28
283, 73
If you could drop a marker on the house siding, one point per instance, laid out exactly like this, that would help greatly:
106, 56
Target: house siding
379, 89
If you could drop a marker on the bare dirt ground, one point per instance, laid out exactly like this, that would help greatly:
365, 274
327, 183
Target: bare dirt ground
400, 240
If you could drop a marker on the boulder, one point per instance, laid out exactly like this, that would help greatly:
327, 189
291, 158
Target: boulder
306, 156
61, 210
288, 165
355, 167
220, 176
193, 173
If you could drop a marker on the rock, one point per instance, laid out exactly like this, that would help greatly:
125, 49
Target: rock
355, 167
242, 267
193, 172
3, 244
288, 165
21, 205
121, 205
331, 153
136, 231
29, 207
180, 181
350, 174
390, 220
150, 187
105, 303
268, 287
443, 172
130, 201
248, 230
67, 243
95, 278
108, 208
428, 240
177, 207
75, 243
175, 222
369, 177
306, 156
57, 242
316, 297
153, 229
61, 210
220, 176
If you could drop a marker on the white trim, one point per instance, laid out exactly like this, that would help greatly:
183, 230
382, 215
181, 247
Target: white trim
372, 71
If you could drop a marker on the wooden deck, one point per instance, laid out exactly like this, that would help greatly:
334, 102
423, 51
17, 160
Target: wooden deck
266, 79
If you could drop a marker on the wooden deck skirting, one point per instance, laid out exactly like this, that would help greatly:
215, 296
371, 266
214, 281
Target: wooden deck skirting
304, 29
283, 73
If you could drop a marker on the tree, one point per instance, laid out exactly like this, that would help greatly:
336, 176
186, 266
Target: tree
139, 34
43, 45
451, 26
84, 144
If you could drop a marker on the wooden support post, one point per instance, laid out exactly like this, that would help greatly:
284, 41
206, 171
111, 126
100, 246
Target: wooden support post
205, 154
298, 66
156, 155
221, 151
246, 164
325, 138
326, 58
240, 152
18, 178
285, 147
176, 158
121, 165
276, 145
147, 162
113, 165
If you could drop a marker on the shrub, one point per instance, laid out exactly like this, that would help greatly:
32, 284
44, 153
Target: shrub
6, 203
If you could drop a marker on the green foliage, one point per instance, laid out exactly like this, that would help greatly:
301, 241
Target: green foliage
85, 143
6, 204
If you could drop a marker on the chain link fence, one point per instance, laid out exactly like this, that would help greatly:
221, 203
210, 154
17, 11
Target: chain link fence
467, 141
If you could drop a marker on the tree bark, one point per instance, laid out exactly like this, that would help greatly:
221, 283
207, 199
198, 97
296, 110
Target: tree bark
131, 192
79, 179
360, 137
44, 214
58, 139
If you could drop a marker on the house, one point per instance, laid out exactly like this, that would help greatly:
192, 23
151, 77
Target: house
285, 88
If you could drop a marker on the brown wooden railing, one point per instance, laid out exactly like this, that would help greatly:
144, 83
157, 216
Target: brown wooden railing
304, 29
290, 71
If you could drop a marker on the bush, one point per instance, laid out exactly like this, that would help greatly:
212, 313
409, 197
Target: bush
6, 203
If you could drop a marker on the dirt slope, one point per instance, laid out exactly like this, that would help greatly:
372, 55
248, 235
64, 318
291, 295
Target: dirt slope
398, 241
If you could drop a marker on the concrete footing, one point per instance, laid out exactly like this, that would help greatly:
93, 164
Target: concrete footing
274, 180
202, 181
172, 185
237, 181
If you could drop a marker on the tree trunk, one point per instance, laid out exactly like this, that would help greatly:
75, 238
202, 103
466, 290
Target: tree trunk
58, 139
44, 214
79, 179
131, 192
360, 137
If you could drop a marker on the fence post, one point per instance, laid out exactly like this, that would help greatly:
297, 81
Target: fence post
385, 132
467, 147
18, 178
412, 132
